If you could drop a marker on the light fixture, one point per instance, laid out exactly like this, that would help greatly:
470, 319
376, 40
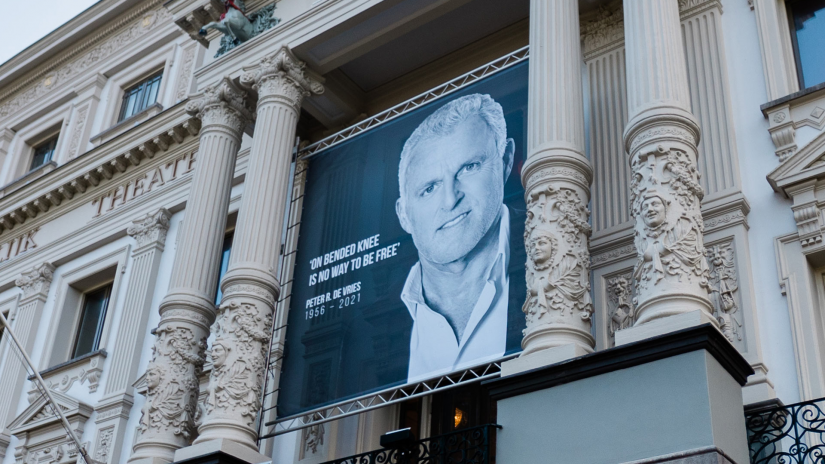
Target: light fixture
459, 417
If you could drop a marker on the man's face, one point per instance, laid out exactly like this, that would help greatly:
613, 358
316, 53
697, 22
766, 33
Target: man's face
654, 212
453, 191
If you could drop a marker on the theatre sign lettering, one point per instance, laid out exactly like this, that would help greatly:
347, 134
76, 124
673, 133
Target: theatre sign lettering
151, 180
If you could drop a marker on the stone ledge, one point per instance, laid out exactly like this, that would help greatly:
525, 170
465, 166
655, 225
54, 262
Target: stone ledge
709, 455
703, 337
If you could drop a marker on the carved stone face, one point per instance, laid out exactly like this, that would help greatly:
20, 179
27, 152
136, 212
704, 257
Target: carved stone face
727, 302
453, 192
152, 378
218, 355
653, 212
542, 249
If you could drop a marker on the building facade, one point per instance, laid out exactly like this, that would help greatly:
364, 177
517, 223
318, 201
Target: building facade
154, 174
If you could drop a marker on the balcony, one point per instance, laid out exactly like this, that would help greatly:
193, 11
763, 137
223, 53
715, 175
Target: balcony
466, 446
792, 434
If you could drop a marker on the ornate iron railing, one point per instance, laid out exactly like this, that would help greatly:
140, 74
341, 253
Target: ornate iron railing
793, 434
467, 446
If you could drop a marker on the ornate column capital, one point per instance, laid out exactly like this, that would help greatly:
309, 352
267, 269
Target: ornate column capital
222, 105
35, 282
151, 229
281, 75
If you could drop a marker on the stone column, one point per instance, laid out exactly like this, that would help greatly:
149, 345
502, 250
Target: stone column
35, 285
250, 287
556, 179
113, 409
167, 421
671, 276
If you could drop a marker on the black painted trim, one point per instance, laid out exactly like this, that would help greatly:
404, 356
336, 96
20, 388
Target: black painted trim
788, 98
218, 457
703, 337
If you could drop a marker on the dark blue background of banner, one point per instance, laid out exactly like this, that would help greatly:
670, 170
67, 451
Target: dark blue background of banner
351, 191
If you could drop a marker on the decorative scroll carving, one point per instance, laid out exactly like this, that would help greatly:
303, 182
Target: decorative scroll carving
151, 228
724, 284
621, 312
665, 194
282, 75
558, 264
238, 360
36, 280
172, 382
222, 104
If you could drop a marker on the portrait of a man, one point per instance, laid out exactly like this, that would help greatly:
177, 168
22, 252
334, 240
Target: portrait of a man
452, 173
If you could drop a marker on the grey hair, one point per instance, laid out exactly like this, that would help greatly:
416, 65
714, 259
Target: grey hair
444, 121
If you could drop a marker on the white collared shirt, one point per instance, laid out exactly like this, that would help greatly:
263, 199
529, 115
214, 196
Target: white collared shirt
434, 349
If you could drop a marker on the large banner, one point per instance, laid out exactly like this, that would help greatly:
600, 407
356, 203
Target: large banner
410, 261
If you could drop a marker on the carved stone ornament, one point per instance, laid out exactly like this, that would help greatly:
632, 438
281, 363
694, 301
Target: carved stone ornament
104, 443
172, 382
36, 280
724, 285
238, 361
558, 264
312, 438
281, 74
665, 200
222, 104
605, 29
151, 228
621, 312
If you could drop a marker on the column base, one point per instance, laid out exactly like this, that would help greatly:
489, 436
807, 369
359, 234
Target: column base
676, 398
663, 326
542, 358
219, 451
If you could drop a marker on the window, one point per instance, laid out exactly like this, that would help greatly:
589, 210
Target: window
92, 316
808, 26
43, 152
140, 96
225, 251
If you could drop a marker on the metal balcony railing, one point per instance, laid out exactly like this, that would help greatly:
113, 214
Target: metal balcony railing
467, 446
793, 434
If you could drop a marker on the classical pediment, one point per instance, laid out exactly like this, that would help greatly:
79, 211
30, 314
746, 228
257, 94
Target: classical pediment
39, 414
806, 164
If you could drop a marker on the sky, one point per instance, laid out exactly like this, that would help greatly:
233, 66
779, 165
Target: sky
31, 20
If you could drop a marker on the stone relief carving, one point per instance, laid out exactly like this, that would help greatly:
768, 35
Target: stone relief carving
36, 280
238, 360
621, 312
605, 29
78, 131
104, 443
62, 72
558, 262
151, 228
185, 73
313, 437
172, 381
724, 285
665, 193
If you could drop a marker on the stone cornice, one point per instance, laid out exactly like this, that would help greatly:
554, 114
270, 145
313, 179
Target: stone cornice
57, 73
96, 169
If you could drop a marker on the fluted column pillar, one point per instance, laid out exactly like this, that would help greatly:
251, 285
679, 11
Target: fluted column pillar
187, 311
250, 287
24, 319
556, 178
671, 276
